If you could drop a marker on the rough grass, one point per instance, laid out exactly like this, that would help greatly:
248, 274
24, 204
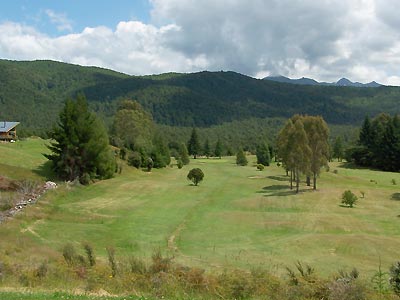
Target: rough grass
237, 217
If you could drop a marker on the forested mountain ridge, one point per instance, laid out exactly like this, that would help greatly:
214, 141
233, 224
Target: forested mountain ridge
33, 93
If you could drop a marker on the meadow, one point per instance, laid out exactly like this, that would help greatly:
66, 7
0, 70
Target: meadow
237, 218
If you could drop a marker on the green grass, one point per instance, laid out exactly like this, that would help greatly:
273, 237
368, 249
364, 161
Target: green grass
60, 295
237, 217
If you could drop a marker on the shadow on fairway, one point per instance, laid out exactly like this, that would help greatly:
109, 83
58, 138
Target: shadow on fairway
277, 190
279, 178
45, 170
395, 196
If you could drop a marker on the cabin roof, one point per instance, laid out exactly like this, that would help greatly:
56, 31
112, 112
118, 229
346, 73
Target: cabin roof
6, 126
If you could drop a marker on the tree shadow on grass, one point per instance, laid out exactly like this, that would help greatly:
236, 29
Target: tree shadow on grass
395, 196
279, 178
45, 171
281, 190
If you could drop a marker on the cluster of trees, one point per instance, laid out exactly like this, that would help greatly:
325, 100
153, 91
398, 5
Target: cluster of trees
379, 144
134, 132
194, 147
303, 147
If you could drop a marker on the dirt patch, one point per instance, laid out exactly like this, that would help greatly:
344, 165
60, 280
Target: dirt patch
8, 185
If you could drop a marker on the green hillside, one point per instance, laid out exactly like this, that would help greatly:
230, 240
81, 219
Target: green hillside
33, 93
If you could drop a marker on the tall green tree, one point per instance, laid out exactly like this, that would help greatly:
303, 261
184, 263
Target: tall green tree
160, 153
183, 154
206, 149
263, 154
338, 150
241, 159
318, 140
285, 144
218, 149
80, 149
194, 147
133, 127
300, 153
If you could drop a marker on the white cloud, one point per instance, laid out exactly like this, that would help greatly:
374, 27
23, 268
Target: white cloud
60, 20
325, 39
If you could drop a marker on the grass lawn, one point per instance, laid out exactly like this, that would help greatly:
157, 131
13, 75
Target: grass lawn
237, 217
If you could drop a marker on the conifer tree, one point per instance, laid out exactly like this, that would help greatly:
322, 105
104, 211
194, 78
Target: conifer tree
194, 147
80, 149
241, 159
263, 154
218, 149
206, 149
183, 154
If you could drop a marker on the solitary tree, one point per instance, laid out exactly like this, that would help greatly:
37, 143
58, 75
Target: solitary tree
80, 148
194, 147
348, 198
195, 175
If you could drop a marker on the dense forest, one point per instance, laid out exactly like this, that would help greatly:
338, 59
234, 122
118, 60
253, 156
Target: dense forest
34, 93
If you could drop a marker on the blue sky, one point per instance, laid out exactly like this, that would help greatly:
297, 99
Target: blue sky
77, 14
324, 40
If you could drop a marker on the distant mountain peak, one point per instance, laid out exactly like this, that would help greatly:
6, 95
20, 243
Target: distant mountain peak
309, 81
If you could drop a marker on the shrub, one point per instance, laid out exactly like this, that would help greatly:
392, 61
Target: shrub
241, 159
179, 162
111, 260
394, 280
348, 198
195, 175
149, 164
135, 159
89, 253
69, 254
260, 167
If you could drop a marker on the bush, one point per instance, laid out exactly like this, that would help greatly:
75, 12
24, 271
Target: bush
195, 175
179, 162
135, 159
395, 277
348, 198
260, 167
241, 159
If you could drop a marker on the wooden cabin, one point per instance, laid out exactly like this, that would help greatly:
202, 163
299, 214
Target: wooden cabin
8, 130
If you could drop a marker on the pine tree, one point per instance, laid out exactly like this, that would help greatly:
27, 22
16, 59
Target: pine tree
241, 159
218, 149
263, 154
183, 154
206, 149
80, 149
194, 147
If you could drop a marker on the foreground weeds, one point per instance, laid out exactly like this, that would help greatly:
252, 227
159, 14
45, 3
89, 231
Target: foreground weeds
132, 277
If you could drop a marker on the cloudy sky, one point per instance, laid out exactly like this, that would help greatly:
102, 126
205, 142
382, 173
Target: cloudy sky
324, 39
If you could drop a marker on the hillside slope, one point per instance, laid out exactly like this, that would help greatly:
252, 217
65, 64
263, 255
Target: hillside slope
33, 93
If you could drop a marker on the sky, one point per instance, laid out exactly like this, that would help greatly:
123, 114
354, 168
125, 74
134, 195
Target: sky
324, 40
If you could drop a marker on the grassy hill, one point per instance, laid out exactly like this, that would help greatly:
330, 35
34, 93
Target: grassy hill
33, 92
237, 218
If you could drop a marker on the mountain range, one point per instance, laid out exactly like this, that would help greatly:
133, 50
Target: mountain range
33, 93
309, 81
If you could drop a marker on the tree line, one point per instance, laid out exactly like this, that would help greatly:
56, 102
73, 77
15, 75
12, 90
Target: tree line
378, 145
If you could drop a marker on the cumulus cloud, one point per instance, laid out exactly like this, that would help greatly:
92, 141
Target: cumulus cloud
324, 39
